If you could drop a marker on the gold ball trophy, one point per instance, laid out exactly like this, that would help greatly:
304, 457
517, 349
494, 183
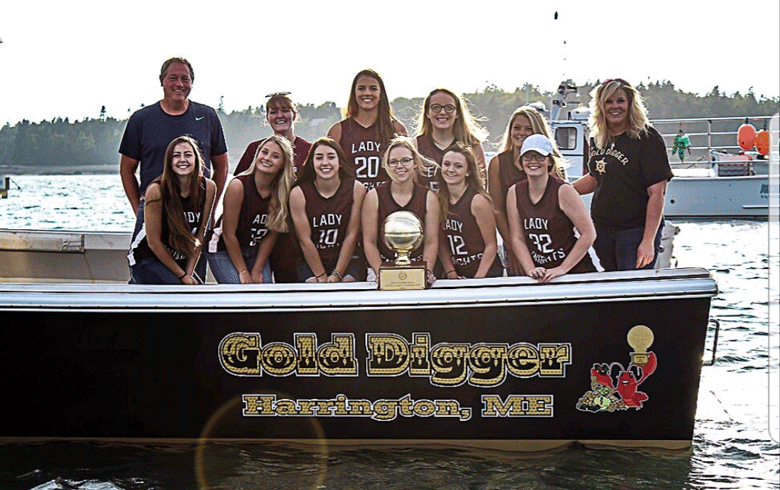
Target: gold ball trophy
640, 338
402, 231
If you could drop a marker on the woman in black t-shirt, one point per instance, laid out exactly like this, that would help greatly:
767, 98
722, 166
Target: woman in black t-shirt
628, 173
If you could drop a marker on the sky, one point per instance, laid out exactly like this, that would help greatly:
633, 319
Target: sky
68, 59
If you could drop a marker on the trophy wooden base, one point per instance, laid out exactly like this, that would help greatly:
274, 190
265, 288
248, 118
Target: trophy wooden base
402, 277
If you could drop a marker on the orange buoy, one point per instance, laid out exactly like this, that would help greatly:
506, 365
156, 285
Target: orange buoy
746, 136
763, 142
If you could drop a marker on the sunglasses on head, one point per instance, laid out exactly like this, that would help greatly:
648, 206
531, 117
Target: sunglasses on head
277, 94
618, 80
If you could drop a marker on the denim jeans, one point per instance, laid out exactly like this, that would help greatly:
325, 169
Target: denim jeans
200, 266
151, 271
616, 247
226, 273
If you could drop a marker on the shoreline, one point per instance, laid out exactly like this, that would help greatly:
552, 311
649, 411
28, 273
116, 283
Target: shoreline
11, 170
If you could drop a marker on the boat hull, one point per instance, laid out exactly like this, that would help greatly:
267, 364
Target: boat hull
504, 363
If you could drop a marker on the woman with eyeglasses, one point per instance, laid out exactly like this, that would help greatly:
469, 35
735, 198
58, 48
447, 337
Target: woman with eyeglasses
505, 170
367, 129
444, 120
325, 207
402, 162
467, 246
628, 171
544, 211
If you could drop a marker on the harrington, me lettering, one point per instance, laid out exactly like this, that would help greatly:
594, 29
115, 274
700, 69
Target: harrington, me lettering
384, 410
517, 406
446, 364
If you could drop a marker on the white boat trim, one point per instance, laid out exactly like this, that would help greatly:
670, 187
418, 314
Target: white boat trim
468, 293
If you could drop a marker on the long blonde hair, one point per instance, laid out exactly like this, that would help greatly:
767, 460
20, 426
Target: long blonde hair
538, 126
637, 112
278, 212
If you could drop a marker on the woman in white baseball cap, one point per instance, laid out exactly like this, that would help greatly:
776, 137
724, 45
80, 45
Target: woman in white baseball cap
543, 213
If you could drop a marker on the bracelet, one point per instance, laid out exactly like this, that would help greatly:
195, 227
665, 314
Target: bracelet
448, 272
322, 275
243, 272
336, 273
182, 276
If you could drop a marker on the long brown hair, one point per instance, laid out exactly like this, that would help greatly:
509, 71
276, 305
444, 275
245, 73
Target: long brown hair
473, 179
180, 237
309, 175
385, 116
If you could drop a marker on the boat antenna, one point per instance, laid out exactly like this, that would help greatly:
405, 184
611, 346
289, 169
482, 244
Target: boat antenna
556, 16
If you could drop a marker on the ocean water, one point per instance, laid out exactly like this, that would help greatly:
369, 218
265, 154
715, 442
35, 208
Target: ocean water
733, 446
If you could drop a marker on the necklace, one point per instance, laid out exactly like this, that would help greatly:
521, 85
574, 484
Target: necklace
440, 144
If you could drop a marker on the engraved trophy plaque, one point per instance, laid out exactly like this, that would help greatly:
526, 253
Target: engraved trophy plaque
402, 232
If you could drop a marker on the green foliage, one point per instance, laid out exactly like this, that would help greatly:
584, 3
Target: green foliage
60, 143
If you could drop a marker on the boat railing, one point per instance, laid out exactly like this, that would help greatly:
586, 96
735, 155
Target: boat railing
708, 136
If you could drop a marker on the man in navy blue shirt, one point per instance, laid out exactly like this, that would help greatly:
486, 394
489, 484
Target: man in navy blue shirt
150, 130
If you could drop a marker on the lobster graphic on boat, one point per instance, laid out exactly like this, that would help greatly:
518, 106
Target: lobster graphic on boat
615, 387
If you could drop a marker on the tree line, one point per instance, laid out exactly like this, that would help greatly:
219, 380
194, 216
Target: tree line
94, 142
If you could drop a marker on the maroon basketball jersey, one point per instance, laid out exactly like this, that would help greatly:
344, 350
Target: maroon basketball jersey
364, 152
329, 217
463, 237
549, 233
387, 205
252, 220
427, 148
508, 173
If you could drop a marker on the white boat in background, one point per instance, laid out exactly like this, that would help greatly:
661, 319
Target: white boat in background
719, 180
716, 179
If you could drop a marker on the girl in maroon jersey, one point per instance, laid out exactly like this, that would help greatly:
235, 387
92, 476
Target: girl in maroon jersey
505, 170
445, 119
325, 207
467, 246
255, 212
402, 162
544, 212
367, 129
169, 231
